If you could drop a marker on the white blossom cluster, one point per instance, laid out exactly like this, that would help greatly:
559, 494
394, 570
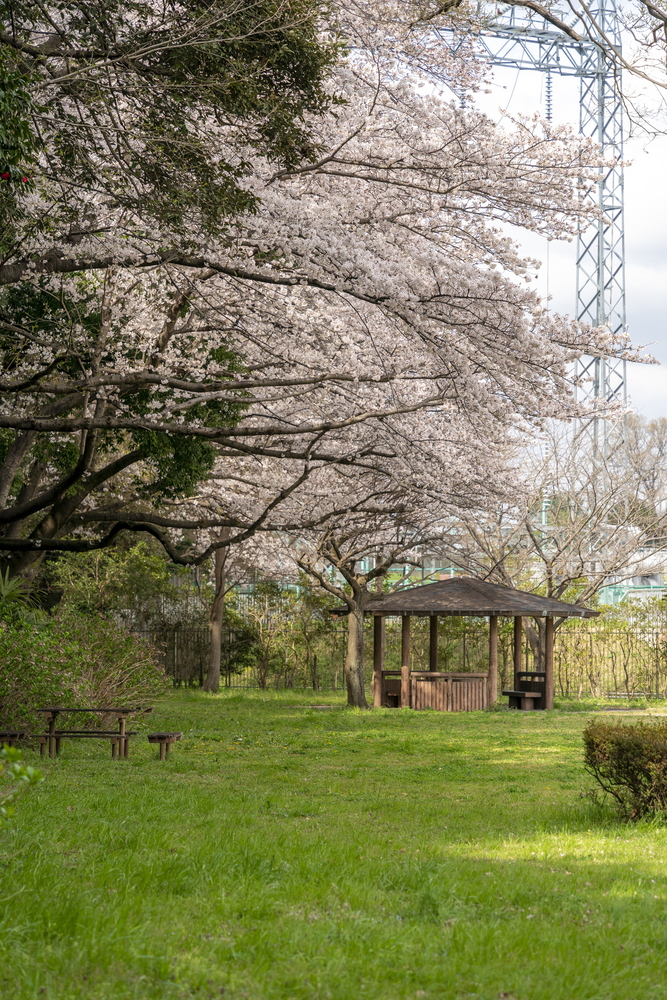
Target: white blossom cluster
372, 317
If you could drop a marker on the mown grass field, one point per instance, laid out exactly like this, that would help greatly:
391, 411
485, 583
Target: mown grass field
285, 852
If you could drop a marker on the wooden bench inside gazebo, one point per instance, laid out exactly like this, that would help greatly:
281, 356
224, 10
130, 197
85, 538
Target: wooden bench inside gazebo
464, 692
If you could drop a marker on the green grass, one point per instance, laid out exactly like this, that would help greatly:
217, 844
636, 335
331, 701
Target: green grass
284, 852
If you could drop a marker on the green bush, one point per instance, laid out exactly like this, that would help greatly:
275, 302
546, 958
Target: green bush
73, 659
629, 762
15, 778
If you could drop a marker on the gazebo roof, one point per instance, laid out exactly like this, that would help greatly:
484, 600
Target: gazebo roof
463, 595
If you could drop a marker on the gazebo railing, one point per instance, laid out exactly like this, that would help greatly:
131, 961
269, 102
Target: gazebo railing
441, 691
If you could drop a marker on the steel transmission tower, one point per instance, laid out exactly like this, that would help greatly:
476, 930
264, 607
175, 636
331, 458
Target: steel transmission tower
520, 41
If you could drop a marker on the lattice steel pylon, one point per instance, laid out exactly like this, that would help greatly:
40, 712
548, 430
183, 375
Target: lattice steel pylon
523, 41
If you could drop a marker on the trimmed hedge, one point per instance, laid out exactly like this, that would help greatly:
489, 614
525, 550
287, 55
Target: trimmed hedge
629, 762
76, 660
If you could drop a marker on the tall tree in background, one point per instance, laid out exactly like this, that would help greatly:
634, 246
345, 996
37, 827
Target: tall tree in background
580, 521
350, 562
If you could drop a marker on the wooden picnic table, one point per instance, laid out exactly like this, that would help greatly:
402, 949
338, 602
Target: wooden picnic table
51, 714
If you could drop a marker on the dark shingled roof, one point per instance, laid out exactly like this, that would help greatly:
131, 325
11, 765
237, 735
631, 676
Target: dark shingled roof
463, 595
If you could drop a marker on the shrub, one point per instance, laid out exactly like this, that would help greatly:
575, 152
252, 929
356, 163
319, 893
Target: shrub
629, 762
76, 660
15, 778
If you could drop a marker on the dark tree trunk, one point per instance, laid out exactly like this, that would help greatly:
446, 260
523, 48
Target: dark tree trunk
535, 633
216, 615
354, 661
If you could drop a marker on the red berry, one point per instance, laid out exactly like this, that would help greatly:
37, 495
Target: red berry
25, 180
5, 176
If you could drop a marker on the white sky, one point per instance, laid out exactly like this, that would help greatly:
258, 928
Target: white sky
645, 233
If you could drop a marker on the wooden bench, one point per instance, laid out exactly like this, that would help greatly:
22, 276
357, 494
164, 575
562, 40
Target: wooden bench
525, 700
165, 740
10, 736
122, 714
119, 742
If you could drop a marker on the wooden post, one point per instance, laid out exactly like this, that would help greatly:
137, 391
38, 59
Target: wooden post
378, 659
433, 644
549, 663
52, 738
123, 741
493, 659
518, 638
405, 661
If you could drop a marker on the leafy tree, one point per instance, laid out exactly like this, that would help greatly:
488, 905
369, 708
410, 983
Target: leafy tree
581, 520
268, 614
132, 583
139, 119
15, 779
311, 620
73, 659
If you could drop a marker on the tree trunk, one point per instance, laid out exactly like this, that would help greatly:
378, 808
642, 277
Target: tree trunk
263, 668
212, 682
534, 629
354, 661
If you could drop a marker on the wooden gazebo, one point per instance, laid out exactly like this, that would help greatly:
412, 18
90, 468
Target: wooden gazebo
464, 596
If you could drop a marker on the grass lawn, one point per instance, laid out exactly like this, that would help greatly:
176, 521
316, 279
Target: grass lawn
285, 852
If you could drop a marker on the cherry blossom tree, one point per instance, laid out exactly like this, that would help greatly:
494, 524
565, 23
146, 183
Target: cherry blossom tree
288, 372
358, 523
139, 122
372, 282
579, 520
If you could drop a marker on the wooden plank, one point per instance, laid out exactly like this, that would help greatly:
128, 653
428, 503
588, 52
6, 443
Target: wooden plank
378, 660
493, 660
518, 637
405, 661
549, 663
433, 643
436, 673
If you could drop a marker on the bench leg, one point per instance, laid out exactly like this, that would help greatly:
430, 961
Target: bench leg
114, 747
527, 704
42, 746
163, 749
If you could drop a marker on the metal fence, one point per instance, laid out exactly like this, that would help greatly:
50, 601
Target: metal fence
623, 663
589, 661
